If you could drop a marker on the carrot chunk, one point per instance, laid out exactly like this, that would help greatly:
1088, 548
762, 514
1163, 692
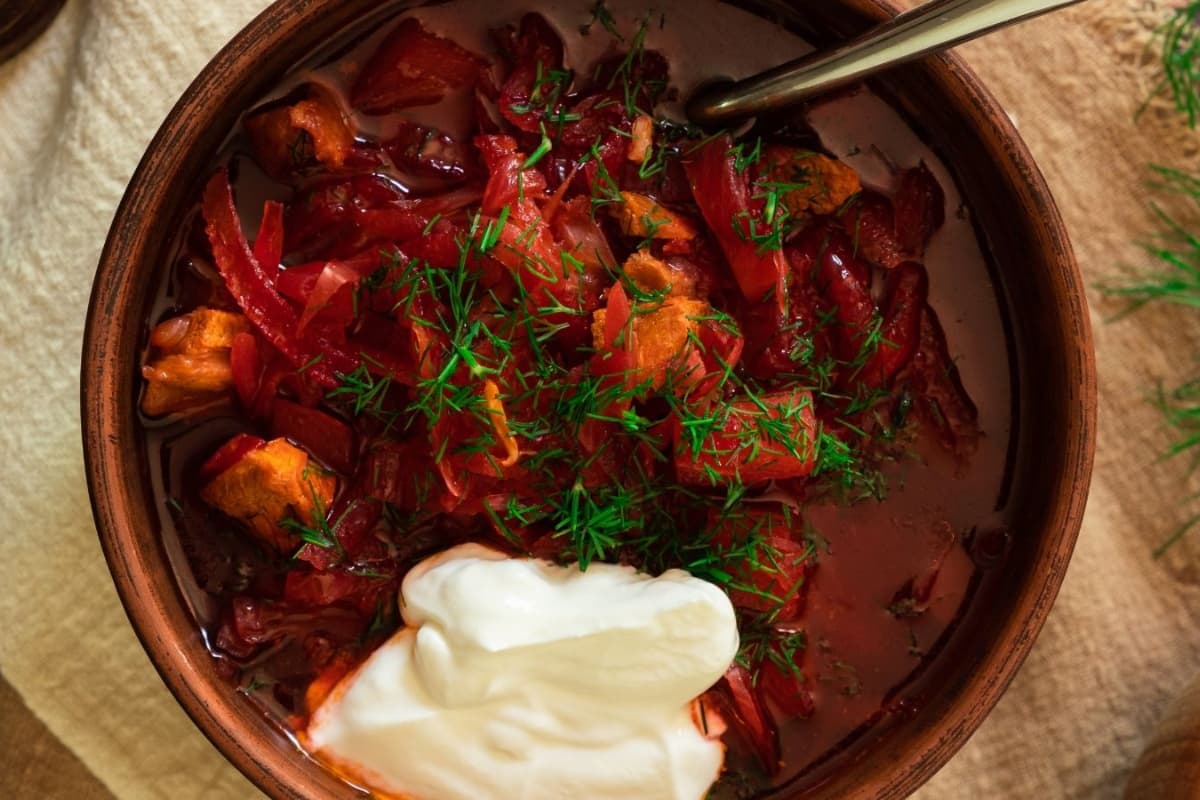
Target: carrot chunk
640, 215
271, 484
811, 183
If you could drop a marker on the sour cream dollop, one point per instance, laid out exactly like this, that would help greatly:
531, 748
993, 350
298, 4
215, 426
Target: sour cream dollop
516, 678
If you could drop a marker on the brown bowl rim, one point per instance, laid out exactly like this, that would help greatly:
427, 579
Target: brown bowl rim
101, 420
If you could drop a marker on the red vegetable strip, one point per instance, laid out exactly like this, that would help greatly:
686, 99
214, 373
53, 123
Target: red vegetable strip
229, 454
723, 195
268, 244
246, 368
907, 288
841, 277
614, 361
254, 291
333, 277
920, 209
327, 438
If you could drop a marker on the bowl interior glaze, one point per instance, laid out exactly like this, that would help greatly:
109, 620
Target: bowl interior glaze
1038, 281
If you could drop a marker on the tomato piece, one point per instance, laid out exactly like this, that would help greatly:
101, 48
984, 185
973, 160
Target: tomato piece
770, 437
297, 282
526, 247
229, 454
614, 355
614, 361
413, 67
920, 209
723, 195
327, 438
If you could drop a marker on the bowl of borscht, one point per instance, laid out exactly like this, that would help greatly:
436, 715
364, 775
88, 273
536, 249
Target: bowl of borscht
462, 422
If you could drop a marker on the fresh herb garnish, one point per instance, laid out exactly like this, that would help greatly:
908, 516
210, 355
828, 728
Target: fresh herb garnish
1178, 42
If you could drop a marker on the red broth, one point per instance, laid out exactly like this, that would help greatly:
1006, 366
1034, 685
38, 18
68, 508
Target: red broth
892, 546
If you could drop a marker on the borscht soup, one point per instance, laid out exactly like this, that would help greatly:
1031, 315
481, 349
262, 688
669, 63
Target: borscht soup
516, 438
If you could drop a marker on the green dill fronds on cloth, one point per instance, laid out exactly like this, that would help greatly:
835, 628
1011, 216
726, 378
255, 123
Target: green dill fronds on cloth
1175, 251
1178, 43
1174, 278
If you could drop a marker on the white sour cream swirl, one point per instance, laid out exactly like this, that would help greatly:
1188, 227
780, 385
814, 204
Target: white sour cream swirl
515, 678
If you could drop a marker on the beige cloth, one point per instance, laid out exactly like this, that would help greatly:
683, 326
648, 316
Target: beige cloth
79, 107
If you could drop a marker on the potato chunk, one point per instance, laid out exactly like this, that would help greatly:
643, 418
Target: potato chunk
191, 362
640, 215
269, 485
809, 182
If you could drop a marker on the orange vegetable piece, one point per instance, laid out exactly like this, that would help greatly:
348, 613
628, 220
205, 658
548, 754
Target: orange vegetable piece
660, 337
268, 485
290, 136
822, 184
495, 409
643, 139
640, 215
191, 366
651, 274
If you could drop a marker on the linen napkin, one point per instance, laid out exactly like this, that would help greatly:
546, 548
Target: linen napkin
79, 107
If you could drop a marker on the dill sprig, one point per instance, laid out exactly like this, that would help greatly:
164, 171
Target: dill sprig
1176, 250
317, 531
1178, 43
1176, 279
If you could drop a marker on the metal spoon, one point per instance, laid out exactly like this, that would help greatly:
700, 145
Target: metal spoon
935, 26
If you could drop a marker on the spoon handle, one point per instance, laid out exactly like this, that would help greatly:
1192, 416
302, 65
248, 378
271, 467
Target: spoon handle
937, 25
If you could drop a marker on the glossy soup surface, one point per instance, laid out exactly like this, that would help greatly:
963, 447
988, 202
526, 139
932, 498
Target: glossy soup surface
851, 557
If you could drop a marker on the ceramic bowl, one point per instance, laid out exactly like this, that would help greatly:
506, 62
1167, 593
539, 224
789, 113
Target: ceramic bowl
1036, 276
